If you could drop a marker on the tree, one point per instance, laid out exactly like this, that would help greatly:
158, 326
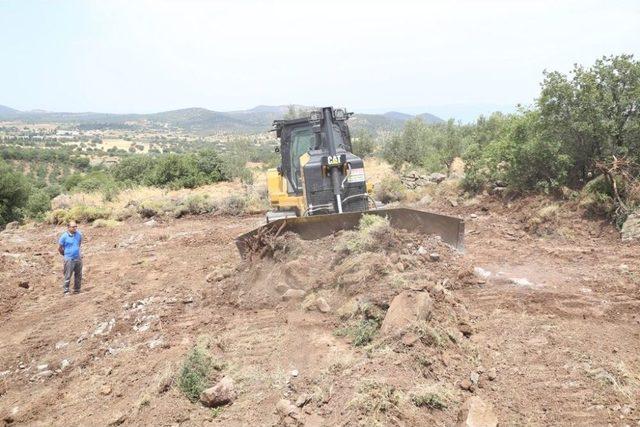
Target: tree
14, 193
594, 112
363, 144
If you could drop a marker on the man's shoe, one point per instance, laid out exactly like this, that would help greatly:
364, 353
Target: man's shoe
65, 293
76, 291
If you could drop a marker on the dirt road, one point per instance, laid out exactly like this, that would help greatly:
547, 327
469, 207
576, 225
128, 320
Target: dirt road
555, 320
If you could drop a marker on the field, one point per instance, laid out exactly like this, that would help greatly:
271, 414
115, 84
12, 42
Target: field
541, 323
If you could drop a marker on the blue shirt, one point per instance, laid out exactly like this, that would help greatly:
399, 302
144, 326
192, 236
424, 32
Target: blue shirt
71, 244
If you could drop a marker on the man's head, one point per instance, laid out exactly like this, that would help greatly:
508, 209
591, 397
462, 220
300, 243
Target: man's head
72, 226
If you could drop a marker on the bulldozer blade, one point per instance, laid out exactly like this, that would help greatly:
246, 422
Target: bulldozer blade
450, 229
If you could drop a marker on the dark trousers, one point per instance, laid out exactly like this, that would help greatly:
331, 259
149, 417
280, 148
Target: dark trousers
72, 266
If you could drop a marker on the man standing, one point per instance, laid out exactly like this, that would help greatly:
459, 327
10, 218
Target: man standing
69, 247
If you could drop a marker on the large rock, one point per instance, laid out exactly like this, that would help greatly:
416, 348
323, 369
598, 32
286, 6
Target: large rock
61, 201
293, 294
286, 409
477, 413
220, 394
437, 177
13, 225
406, 308
631, 227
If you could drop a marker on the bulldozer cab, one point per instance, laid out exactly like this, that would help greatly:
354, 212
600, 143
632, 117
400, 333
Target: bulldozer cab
297, 138
320, 187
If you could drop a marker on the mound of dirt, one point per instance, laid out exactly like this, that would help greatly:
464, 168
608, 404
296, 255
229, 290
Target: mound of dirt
385, 293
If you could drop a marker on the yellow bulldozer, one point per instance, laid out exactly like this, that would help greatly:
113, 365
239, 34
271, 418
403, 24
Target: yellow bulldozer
320, 186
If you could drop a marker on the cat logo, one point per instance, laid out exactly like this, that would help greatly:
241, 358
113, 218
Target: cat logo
333, 160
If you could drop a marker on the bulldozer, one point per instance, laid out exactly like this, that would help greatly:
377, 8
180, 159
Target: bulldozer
320, 186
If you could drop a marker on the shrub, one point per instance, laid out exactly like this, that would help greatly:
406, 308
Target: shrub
375, 398
390, 190
105, 223
14, 193
431, 396
232, 205
361, 333
38, 204
374, 233
133, 169
194, 374
194, 205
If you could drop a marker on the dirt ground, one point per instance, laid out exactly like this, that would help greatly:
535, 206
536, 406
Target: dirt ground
545, 320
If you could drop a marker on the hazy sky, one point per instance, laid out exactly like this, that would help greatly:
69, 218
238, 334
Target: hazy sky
436, 56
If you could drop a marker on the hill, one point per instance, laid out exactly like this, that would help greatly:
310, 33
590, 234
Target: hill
202, 120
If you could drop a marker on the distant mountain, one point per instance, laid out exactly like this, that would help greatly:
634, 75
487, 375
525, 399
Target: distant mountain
394, 115
6, 111
204, 121
429, 118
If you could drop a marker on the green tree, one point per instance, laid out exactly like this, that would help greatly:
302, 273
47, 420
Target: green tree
14, 193
594, 112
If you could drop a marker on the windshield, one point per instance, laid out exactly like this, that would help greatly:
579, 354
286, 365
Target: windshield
302, 140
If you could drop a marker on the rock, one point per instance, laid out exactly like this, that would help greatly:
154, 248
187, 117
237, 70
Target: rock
521, 281
466, 384
61, 344
426, 200
409, 339
117, 419
218, 275
406, 308
64, 364
466, 330
474, 377
45, 374
473, 216
481, 272
434, 256
295, 373
151, 223
322, 305
631, 227
13, 225
23, 284
285, 408
302, 400
222, 393
155, 343
281, 288
421, 251
61, 201
437, 177
492, 374
293, 294
477, 413
42, 367
624, 268
400, 267
453, 201
105, 390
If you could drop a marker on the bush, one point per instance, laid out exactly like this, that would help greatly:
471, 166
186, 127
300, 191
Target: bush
14, 193
38, 204
105, 223
390, 190
194, 374
79, 213
133, 169
232, 205
374, 233
363, 144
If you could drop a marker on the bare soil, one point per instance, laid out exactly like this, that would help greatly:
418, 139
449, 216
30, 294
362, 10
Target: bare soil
549, 321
